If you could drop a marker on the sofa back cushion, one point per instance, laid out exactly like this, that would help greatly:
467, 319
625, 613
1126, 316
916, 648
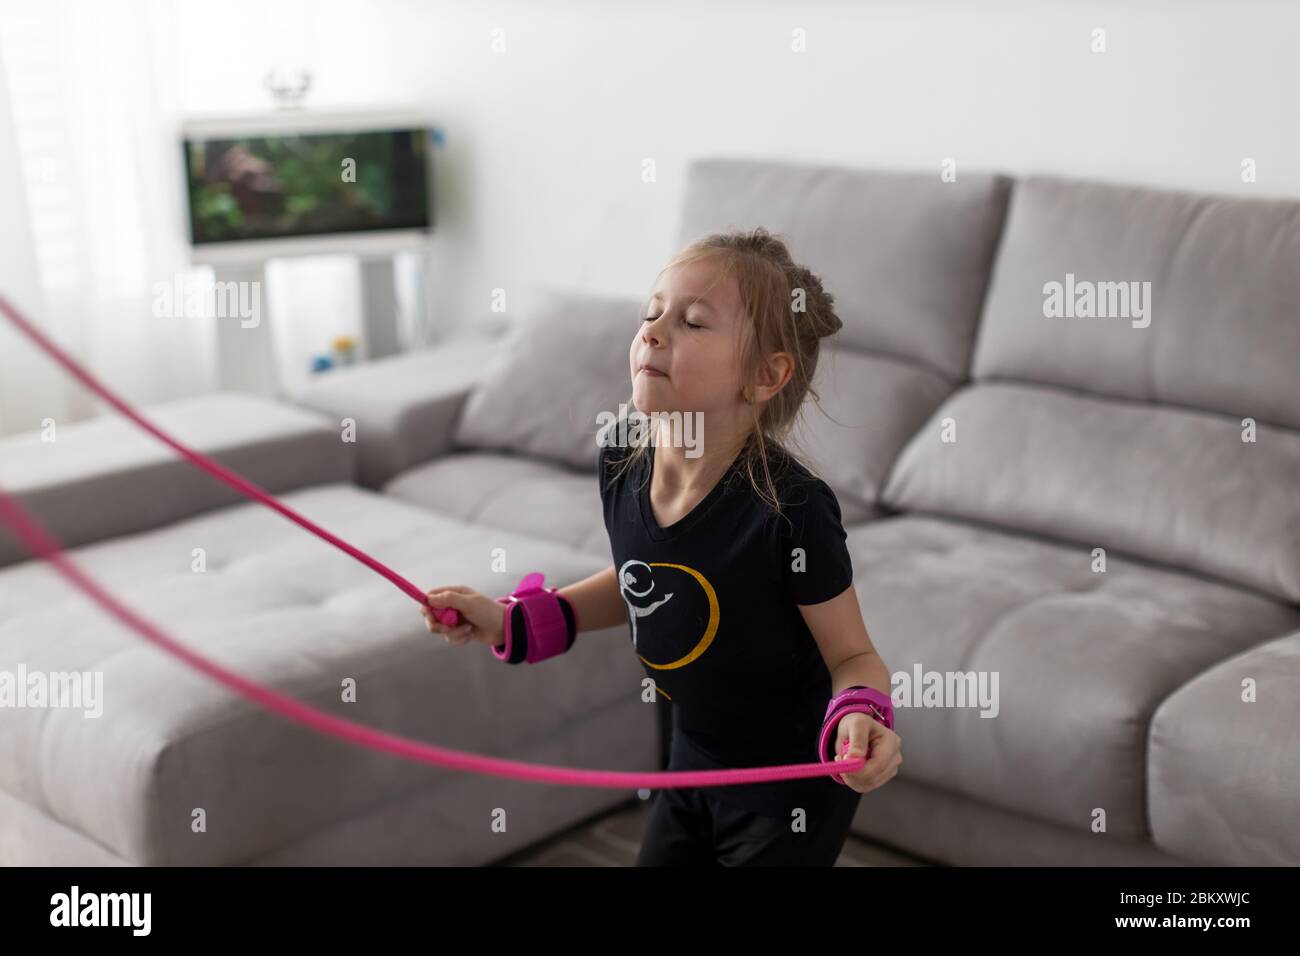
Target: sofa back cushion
906, 255
563, 363
868, 407
1169, 430
1221, 329
1171, 485
567, 361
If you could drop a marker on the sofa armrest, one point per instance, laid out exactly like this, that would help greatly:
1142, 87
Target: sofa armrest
1222, 770
406, 407
104, 477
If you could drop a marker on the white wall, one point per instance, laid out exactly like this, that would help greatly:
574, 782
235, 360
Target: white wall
540, 180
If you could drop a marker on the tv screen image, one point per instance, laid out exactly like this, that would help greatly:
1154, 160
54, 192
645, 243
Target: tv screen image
279, 186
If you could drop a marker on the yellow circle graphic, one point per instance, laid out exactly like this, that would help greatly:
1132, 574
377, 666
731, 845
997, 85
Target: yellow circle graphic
709, 632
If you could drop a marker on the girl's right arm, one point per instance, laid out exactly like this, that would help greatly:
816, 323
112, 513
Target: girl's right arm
597, 601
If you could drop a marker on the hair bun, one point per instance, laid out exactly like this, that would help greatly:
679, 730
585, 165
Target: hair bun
820, 303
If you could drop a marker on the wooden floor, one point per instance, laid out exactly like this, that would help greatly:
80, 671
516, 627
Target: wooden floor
613, 840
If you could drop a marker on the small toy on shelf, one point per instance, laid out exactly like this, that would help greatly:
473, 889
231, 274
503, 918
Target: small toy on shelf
345, 347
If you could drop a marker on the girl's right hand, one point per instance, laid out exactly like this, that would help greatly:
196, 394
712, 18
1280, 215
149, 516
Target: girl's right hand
481, 617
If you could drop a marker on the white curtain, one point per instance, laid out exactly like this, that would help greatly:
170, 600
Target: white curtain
29, 391
95, 207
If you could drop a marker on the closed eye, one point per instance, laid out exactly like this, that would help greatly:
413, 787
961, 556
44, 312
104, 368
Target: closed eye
689, 325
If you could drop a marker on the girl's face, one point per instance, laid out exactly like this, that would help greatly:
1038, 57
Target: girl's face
685, 357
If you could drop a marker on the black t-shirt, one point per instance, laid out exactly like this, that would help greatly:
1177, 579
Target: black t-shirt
713, 611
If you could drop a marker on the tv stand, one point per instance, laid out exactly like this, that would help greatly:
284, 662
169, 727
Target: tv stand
246, 354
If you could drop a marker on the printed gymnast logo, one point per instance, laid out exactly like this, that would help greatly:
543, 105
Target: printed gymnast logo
1102, 300
40, 689
946, 689
633, 427
646, 590
75, 908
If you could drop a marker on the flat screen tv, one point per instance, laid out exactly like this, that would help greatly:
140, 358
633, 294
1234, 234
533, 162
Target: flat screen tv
277, 185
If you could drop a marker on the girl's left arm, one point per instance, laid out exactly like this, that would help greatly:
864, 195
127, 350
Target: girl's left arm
846, 647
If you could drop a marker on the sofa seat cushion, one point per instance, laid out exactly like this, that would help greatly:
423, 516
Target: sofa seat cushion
524, 495
1225, 768
282, 607
1163, 484
105, 476
1082, 659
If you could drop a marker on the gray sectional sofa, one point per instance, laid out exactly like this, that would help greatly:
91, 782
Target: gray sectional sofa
1100, 511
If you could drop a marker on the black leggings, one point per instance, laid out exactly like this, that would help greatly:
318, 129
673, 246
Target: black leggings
690, 827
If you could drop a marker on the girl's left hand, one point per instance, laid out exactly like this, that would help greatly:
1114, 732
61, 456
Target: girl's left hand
867, 737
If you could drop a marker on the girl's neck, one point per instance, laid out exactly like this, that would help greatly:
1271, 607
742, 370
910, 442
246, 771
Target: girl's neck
681, 470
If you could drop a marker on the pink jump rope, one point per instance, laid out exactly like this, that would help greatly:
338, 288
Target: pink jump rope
42, 544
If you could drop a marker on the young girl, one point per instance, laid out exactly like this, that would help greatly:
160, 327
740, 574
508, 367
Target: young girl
730, 566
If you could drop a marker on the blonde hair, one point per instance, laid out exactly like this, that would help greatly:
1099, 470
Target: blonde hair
768, 279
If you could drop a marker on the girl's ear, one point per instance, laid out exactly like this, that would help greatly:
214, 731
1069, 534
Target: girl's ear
774, 374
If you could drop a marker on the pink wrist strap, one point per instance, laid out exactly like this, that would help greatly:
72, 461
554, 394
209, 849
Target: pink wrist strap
854, 700
544, 632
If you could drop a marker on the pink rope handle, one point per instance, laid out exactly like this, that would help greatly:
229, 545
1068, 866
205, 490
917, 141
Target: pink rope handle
39, 541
